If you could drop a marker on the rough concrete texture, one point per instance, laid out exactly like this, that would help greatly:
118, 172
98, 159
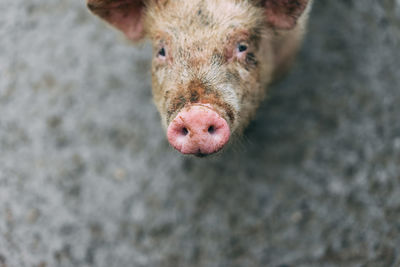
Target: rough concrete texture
87, 177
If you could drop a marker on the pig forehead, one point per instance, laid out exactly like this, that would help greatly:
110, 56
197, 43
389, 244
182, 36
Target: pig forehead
203, 19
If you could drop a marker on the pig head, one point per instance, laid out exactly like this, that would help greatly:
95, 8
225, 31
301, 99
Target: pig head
212, 59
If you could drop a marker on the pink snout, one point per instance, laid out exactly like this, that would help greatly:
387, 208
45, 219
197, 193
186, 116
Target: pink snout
198, 130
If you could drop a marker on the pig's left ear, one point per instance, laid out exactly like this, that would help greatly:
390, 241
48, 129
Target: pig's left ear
283, 14
125, 15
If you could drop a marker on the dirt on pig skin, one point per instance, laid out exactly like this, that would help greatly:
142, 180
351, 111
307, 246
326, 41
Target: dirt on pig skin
87, 177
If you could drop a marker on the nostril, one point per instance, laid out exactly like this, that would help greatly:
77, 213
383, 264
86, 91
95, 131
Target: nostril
211, 129
185, 131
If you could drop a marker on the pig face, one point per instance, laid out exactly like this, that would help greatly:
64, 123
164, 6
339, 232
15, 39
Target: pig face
206, 54
211, 61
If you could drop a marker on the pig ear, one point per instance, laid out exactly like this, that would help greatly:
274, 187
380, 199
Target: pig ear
283, 14
125, 15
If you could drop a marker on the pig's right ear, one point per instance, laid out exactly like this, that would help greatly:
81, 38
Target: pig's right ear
125, 15
283, 14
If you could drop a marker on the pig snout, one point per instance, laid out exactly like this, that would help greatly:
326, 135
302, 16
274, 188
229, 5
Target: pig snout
198, 130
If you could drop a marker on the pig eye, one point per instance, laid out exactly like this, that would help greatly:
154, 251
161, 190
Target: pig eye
161, 52
241, 48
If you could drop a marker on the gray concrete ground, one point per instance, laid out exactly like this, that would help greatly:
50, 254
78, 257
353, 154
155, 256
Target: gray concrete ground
88, 179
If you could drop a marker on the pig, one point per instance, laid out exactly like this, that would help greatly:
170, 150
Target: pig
212, 60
